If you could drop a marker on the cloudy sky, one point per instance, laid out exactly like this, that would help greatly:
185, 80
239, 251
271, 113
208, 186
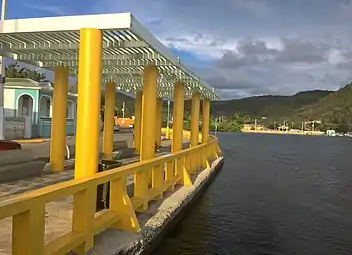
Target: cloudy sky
240, 47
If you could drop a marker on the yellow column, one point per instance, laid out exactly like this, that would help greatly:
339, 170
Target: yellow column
58, 127
141, 178
159, 118
109, 113
87, 133
195, 119
177, 127
181, 167
137, 122
205, 120
148, 110
88, 112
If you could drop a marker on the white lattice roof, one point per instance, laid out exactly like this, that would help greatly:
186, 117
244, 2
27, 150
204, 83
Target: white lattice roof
127, 48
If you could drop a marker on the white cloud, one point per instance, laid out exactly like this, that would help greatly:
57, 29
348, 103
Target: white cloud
308, 44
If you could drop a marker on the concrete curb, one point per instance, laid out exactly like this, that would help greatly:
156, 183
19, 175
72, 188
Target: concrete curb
31, 141
161, 222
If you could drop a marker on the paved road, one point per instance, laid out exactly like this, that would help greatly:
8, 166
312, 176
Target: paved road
39, 150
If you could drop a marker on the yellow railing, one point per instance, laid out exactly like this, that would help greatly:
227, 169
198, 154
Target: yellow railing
186, 133
28, 210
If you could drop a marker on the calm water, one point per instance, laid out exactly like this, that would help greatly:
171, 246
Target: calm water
276, 194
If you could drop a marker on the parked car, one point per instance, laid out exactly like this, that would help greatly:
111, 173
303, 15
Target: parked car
9, 145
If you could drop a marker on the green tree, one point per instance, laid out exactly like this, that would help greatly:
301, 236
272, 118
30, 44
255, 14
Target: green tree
15, 71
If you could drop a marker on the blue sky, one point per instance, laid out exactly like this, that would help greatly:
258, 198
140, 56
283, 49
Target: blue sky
240, 47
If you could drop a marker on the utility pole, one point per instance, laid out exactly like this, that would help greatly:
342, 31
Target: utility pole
2, 74
123, 110
255, 124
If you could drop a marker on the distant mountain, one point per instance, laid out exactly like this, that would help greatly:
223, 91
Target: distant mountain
275, 107
331, 107
335, 108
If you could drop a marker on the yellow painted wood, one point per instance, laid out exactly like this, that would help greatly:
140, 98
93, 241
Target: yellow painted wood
28, 230
120, 203
186, 179
84, 206
158, 180
170, 174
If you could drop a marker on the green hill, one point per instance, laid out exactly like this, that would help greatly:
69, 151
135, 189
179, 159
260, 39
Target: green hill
273, 107
334, 109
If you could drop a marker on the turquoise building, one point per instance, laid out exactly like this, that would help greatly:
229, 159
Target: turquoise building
28, 109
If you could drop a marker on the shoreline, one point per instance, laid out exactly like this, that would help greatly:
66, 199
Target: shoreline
162, 218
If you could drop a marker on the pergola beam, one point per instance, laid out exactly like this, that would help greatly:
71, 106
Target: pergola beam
32, 47
127, 48
47, 56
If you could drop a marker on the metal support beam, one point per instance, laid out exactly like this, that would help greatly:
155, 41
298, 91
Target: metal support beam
109, 113
137, 122
58, 126
88, 113
205, 120
159, 119
195, 119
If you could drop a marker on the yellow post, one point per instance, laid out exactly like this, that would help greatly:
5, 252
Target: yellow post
195, 119
141, 178
88, 131
177, 132
205, 121
88, 112
58, 127
159, 118
137, 122
109, 113
177, 127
